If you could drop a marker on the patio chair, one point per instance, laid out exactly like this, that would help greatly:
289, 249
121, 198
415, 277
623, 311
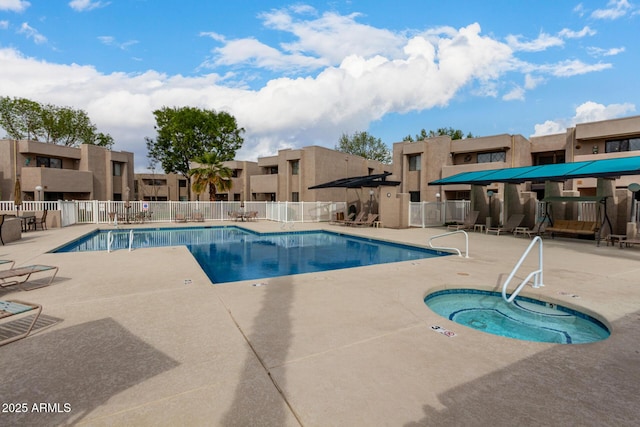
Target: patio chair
357, 219
42, 221
509, 226
11, 309
366, 223
468, 222
16, 276
180, 217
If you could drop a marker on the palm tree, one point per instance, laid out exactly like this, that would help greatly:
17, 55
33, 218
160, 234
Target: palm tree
211, 173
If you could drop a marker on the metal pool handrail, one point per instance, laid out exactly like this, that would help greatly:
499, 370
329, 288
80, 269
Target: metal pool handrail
536, 274
466, 238
110, 239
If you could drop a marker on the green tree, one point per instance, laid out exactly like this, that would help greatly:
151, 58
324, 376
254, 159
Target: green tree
451, 132
186, 133
211, 173
25, 119
364, 145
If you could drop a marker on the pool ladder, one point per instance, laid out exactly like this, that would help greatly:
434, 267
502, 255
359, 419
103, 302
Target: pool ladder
536, 274
466, 239
110, 240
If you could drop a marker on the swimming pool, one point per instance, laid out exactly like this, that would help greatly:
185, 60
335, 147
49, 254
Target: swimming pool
525, 319
230, 253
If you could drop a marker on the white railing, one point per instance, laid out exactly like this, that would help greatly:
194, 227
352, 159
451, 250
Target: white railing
434, 214
466, 240
536, 274
112, 212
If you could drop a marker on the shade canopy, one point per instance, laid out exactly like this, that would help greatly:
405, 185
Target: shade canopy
358, 181
607, 168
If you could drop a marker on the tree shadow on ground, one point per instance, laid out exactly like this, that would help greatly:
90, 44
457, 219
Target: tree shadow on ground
82, 366
269, 339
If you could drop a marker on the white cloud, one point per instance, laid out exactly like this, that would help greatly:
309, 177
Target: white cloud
615, 9
360, 74
531, 82
516, 94
4, 25
596, 51
85, 5
543, 42
587, 112
32, 33
111, 41
570, 68
570, 34
14, 5
319, 42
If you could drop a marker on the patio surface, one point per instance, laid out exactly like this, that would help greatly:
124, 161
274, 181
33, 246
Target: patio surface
143, 338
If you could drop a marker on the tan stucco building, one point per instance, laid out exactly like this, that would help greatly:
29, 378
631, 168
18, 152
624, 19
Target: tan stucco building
88, 172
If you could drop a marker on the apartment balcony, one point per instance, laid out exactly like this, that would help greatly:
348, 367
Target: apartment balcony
57, 180
264, 183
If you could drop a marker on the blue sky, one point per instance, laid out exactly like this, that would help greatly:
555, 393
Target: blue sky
299, 74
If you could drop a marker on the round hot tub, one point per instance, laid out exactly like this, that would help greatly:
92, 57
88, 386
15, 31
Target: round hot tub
525, 318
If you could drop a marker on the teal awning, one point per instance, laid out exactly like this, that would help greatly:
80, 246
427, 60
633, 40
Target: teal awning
607, 168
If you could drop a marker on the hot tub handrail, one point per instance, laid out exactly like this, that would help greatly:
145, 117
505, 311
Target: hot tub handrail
536, 274
466, 238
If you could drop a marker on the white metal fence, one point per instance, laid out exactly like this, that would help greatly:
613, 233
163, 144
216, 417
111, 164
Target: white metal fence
433, 214
103, 212
421, 214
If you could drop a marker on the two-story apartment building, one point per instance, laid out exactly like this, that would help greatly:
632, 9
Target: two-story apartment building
288, 175
54, 172
417, 163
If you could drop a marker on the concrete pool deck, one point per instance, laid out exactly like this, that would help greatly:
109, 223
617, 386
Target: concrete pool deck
143, 338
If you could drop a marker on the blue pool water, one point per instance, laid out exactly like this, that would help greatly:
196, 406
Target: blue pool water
525, 319
229, 254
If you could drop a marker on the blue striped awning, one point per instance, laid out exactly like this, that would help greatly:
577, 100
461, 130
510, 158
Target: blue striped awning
610, 168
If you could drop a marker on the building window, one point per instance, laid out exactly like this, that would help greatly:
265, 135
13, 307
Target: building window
48, 162
496, 156
117, 169
415, 162
271, 170
618, 145
295, 167
295, 196
414, 196
154, 182
235, 173
182, 183
548, 158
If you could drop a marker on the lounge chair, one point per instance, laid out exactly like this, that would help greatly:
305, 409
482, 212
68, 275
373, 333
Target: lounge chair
509, 226
197, 216
4, 262
468, 222
357, 219
537, 230
366, 223
1, 222
180, 217
10, 309
12, 276
341, 219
